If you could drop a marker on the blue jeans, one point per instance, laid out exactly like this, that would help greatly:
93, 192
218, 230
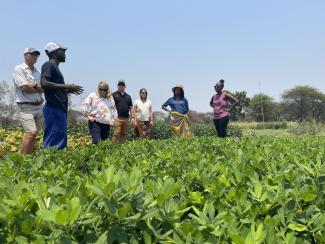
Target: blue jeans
55, 123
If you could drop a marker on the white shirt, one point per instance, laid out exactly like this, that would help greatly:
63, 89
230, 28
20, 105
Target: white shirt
103, 109
142, 109
24, 75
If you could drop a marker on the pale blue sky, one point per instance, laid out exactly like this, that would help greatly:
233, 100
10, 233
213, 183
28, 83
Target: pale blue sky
155, 44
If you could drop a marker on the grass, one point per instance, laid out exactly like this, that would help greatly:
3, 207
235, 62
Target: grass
281, 128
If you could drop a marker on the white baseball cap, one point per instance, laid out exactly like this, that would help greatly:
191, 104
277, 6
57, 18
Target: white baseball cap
52, 46
31, 50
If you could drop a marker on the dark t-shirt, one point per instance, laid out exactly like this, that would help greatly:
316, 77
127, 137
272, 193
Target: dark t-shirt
55, 98
122, 103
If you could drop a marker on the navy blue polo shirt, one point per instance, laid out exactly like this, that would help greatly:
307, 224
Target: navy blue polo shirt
55, 98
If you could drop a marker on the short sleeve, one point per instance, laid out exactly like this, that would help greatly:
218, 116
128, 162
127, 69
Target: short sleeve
46, 71
167, 103
113, 109
113, 96
19, 77
130, 102
135, 104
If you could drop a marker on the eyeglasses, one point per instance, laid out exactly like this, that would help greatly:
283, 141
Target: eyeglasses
105, 90
144, 93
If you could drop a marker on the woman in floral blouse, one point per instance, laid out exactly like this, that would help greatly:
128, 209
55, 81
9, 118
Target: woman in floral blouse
99, 109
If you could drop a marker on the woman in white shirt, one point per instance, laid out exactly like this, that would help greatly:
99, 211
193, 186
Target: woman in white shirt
99, 109
143, 115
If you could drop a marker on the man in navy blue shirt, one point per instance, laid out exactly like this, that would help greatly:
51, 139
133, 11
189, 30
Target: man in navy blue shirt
56, 96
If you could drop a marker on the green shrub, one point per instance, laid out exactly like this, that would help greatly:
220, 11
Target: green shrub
193, 190
271, 125
161, 130
306, 128
205, 130
276, 125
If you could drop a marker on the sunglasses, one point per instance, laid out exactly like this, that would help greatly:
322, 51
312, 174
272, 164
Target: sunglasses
33, 54
144, 93
105, 90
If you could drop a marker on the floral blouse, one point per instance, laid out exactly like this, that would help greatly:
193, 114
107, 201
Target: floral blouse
102, 109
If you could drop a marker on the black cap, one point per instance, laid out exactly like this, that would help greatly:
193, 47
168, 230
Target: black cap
121, 83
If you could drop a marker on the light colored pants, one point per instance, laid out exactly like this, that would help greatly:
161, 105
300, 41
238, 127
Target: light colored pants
121, 130
30, 117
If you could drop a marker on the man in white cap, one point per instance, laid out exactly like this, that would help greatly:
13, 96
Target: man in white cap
56, 96
29, 99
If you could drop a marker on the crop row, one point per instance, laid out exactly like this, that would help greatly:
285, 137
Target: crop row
192, 190
11, 137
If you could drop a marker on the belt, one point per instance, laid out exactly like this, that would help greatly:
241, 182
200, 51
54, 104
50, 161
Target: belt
31, 103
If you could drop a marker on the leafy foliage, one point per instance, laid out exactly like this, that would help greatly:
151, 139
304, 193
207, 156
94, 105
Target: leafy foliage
304, 103
262, 104
191, 190
275, 125
306, 128
239, 112
11, 137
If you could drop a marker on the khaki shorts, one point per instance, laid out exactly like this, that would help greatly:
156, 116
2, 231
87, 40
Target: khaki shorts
30, 117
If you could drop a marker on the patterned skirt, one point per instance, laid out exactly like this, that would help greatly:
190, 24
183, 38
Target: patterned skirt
180, 124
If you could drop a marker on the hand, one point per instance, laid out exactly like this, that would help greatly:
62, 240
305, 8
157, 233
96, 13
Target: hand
91, 118
38, 88
110, 122
75, 89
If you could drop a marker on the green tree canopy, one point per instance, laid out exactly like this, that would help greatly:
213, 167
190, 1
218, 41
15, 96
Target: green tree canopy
239, 112
304, 103
263, 104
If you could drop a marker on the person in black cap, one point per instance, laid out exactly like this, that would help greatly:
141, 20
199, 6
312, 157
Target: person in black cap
123, 103
29, 99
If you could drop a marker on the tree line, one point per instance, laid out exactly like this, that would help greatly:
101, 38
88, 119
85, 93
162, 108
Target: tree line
301, 103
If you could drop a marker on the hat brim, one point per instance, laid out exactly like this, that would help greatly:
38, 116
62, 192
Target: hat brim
62, 48
173, 89
37, 52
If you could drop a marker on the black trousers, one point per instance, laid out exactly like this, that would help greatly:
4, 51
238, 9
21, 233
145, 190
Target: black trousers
98, 131
221, 126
